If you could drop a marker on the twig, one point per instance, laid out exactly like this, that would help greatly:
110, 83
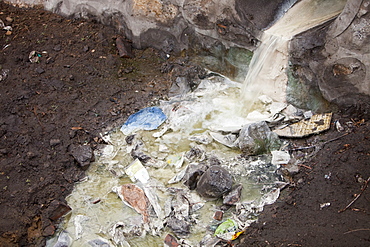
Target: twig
314, 146
308, 167
357, 230
358, 196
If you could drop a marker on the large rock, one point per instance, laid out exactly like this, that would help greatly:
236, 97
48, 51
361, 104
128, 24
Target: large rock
329, 64
257, 138
215, 182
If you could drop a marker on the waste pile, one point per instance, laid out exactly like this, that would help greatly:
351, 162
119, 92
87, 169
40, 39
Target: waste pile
193, 171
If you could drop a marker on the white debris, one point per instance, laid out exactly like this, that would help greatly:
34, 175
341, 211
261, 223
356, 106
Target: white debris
280, 157
136, 171
79, 220
324, 205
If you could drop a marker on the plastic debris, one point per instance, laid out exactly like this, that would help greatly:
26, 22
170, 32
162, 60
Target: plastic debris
117, 235
339, 126
151, 194
227, 140
136, 171
34, 56
4, 74
324, 205
201, 139
146, 119
134, 197
280, 157
316, 124
227, 229
79, 221
175, 160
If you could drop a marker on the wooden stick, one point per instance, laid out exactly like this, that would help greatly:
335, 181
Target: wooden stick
357, 230
314, 146
358, 196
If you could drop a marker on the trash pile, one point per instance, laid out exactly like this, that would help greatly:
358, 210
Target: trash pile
192, 171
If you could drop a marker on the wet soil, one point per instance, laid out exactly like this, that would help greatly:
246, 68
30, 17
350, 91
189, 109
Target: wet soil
81, 87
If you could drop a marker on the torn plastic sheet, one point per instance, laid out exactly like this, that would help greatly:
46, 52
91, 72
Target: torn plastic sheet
227, 229
146, 119
136, 171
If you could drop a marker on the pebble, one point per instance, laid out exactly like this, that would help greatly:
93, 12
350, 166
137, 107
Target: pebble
9, 19
54, 142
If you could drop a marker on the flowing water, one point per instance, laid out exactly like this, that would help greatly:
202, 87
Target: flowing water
218, 105
267, 70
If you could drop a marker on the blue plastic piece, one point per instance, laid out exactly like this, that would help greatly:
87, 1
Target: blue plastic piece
146, 119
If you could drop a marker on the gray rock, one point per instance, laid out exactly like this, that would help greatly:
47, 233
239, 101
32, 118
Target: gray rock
257, 138
180, 86
214, 183
233, 196
180, 227
330, 63
54, 142
192, 175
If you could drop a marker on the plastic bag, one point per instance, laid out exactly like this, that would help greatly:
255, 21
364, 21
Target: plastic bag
146, 119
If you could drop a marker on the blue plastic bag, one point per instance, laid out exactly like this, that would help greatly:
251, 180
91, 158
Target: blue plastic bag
146, 119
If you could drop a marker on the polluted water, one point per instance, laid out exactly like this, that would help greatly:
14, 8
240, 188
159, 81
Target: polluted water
151, 184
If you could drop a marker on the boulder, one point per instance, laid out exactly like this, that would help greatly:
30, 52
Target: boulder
257, 138
329, 64
214, 183
192, 174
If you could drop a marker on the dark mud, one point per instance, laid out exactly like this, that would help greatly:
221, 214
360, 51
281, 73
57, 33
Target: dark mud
78, 88
81, 87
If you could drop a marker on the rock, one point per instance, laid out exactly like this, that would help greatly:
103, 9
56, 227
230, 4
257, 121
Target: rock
192, 175
257, 138
233, 196
57, 209
83, 154
9, 19
54, 142
40, 70
180, 86
215, 182
48, 231
330, 63
218, 215
124, 48
180, 227
171, 241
